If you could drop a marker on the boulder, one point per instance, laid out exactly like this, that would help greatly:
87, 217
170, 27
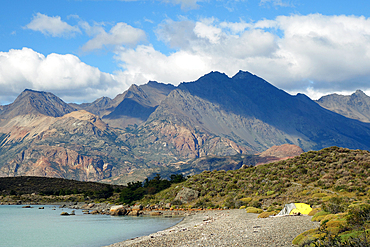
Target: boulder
64, 213
137, 207
186, 195
156, 213
117, 210
134, 213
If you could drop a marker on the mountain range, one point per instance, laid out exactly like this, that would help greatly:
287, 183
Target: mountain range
215, 122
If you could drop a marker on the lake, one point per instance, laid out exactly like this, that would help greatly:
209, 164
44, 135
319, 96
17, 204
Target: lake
46, 227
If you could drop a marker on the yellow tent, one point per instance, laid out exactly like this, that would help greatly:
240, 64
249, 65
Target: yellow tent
295, 208
302, 208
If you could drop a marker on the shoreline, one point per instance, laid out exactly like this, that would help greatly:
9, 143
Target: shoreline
232, 227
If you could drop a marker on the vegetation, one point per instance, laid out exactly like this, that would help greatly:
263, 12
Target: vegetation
344, 229
55, 186
313, 177
136, 191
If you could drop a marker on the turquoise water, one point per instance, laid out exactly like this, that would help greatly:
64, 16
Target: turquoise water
36, 227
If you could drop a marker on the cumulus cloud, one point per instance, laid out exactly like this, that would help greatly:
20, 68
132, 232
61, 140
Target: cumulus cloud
120, 34
64, 75
313, 54
52, 26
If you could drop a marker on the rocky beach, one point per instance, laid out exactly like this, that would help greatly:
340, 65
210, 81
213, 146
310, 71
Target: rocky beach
227, 228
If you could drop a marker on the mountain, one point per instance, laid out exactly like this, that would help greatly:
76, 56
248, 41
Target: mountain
250, 113
99, 107
132, 107
137, 104
356, 106
36, 103
216, 122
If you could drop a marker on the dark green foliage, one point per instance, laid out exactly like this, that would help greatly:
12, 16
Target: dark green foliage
177, 178
137, 190
55, 186
328, 239
359, 216
336, 205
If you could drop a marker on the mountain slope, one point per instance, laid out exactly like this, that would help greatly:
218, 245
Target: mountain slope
356, 106
98, 107
35, 102
132, 107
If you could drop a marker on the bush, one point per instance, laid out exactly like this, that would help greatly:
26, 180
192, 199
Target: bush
253, 210
335, 205
266, 214
314, 211
358, 216
269, 193
319, 195
246, 199
256, 204
319, 216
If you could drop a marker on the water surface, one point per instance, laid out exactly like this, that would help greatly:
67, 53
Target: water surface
46, 227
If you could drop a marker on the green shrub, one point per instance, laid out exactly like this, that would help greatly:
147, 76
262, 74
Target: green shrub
266, 214
253, 210
319, 216
314, 211
269, 193
246, 199
358, 216
319, 195
256, 204
335, 205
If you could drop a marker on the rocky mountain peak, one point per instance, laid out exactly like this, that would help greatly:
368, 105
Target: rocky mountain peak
243, 75
36, 102
356, 105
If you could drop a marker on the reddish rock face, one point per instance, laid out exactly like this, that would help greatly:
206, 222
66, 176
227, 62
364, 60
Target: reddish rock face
283, 151
56, 162
277, 153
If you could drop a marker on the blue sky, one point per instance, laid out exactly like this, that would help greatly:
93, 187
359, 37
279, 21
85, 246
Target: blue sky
82, 50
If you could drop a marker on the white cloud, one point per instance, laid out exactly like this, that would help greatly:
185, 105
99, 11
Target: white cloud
120, 34
64, 75
53, 26
313, 54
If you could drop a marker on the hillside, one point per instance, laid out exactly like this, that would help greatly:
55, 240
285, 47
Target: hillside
312, 177
50, 186
356, 106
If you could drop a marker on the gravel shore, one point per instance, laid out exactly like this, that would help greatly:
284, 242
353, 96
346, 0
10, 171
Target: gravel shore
227, 228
